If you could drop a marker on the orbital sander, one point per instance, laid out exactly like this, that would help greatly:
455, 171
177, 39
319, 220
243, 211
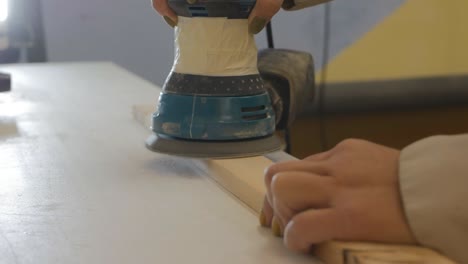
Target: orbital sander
215, 102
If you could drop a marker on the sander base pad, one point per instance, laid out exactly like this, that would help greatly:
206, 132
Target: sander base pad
213, 149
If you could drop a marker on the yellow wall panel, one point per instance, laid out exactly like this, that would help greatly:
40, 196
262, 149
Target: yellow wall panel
421, 38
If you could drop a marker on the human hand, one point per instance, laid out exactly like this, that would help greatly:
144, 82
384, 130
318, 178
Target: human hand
261, 14
350, 192
162, 7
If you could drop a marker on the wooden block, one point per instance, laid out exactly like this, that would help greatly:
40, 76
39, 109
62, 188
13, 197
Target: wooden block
243, 178
376, 253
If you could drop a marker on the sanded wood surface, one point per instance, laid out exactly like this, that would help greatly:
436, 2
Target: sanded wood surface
243, 178
78, 186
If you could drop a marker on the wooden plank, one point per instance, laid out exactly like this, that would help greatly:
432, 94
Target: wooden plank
244, 179
241, 177
375, 253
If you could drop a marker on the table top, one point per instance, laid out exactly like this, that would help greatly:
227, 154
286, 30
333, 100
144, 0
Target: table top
78, 186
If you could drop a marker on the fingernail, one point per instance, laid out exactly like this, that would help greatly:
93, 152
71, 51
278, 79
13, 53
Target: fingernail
191, 1
169, 21
276, 228
262, 219
257, 25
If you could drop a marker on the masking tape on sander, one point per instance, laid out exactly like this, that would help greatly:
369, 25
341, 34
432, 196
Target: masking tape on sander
214, 46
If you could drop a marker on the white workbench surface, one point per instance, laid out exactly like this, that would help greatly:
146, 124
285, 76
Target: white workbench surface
77, 185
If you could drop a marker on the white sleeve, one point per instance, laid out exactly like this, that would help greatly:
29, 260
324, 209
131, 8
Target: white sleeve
434, 188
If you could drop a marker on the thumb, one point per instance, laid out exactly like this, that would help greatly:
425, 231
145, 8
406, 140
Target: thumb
162, 7
312, 227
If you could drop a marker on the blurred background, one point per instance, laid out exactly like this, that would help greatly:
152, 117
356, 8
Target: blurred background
390, 71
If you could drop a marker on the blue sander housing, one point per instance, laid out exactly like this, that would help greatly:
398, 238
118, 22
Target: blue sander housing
214, 114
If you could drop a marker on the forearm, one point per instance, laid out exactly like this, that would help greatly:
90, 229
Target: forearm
433, 181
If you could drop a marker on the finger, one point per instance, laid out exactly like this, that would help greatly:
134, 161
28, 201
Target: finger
294, 192
268, 219
322, 156
162, 7
302, 166
297, 191
266, 214
320, 168
283, 218
276, 227
311, 227
262, 13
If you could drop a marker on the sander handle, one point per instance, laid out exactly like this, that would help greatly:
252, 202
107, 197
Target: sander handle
291, 5
290, 80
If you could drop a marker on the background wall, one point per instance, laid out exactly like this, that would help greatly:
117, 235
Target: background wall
131, 34
420, 38
366, 40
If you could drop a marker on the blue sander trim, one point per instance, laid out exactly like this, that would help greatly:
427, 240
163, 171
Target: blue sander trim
214, 118
231, 9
